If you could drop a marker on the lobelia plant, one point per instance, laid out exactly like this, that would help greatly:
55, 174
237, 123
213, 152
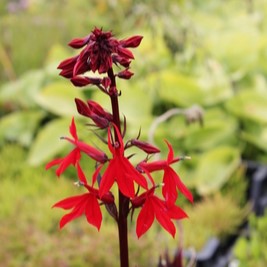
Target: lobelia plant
136, 186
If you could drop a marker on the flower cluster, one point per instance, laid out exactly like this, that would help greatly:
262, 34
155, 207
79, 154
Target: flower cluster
102, 53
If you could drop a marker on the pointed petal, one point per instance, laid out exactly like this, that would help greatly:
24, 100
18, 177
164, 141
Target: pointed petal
182, 188
124, 178
169, 190
145, 218
162, 216
77, 212
96, 173
81, 175
70, 202
92, 212
176, 212
107, 180
73, 130
171, 153
71, 159
53, 163
134, 174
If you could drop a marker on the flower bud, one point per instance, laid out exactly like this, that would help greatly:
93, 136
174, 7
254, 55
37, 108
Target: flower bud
125, 74
148, 148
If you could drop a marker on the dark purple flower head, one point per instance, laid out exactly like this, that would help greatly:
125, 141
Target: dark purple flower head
100, 51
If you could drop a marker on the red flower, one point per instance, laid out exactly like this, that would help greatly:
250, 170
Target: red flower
120, 170
71, 159
171, 179
153, 207
75, 155
92, 152
85, 204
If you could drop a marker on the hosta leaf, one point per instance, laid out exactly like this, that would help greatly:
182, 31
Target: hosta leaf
258, 139
47, 143
249, 105
215, 168
58, 98
22, 91
20, 126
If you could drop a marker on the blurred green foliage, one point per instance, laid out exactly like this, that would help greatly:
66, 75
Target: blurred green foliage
250, 250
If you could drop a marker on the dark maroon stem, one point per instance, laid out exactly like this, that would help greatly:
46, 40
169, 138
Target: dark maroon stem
123, 201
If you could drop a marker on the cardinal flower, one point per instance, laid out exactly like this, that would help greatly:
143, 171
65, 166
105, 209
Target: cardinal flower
171, 179
154, 207
120, 170
86, 204
75, 155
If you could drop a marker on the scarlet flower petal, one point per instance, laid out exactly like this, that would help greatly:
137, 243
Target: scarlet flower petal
145, 218
77, 212
73, 130
70, 202
169, 189
81, 175
162, 215
71, 159
171, 153
176, 212
107, 180
53, 163
92, 212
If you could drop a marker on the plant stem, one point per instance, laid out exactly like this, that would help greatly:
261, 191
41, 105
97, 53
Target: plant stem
123, 201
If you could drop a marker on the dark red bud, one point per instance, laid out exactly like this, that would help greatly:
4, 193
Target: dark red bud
125, 74
98, 110
79, 42
83, 81
133, 41
82, 108
148, 148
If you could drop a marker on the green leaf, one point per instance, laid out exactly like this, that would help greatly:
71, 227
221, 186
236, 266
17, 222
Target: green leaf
218, 128
47, 143
257, 138
58, 98
20, 126
22, 91
215, 168
249, 105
